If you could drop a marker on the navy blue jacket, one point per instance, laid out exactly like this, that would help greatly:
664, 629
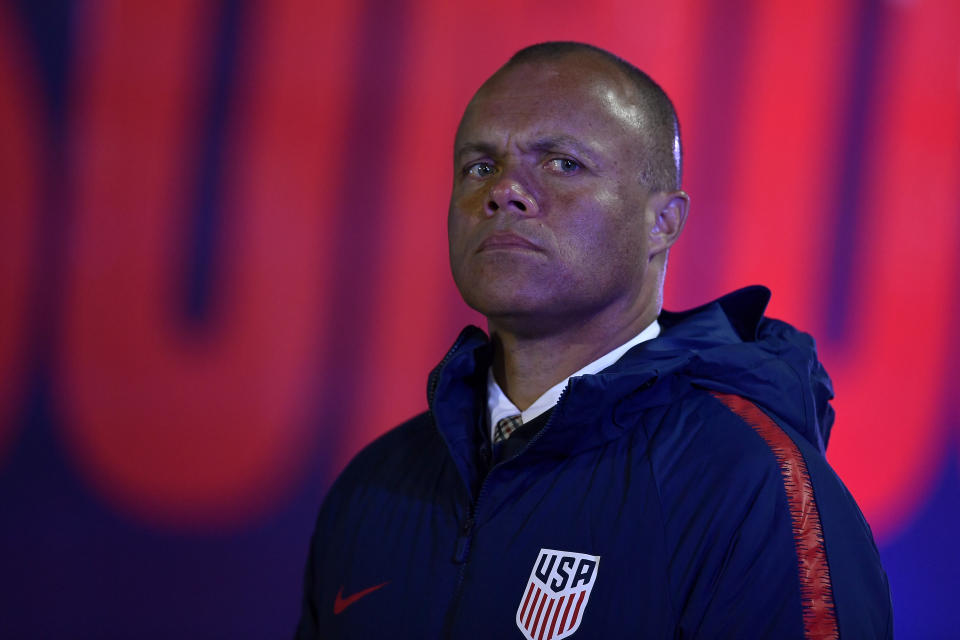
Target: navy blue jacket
681, 493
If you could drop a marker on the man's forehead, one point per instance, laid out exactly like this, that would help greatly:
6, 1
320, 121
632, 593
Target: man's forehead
590, 62
583, 71
574, 87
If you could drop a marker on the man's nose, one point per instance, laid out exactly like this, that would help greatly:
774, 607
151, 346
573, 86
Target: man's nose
509, 195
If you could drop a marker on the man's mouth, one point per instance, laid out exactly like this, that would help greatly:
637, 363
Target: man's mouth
505, 240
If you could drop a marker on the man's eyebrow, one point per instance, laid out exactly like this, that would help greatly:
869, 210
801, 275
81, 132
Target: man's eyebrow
560, 142
546, 144
479, 148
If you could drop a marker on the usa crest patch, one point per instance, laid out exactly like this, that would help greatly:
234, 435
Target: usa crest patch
556, 595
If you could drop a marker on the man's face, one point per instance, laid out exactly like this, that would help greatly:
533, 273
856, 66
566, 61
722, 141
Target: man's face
548, 220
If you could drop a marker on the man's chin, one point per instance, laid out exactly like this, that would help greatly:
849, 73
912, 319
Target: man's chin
505, 303
522, 317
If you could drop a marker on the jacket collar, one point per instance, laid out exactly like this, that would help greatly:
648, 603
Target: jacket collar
725, 345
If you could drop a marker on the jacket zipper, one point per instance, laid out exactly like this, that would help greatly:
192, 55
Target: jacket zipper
464, 540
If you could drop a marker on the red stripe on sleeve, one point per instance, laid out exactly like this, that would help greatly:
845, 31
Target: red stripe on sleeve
816, 589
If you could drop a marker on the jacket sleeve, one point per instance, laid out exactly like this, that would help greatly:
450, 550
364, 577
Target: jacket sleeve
769, 543
316, 590
308, 626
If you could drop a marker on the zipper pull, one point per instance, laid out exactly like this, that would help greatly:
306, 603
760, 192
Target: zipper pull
462, 549
485, 455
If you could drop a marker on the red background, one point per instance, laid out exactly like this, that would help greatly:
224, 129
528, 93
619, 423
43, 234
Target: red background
223, 267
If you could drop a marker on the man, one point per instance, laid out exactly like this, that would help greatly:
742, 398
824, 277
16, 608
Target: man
596, 467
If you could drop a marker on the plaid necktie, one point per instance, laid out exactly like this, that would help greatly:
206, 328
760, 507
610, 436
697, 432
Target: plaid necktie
506, 426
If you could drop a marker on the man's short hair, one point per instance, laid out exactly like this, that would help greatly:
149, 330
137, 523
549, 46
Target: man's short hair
663, 157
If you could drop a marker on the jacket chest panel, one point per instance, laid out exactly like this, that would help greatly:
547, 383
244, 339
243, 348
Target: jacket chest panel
555, 520
619, 579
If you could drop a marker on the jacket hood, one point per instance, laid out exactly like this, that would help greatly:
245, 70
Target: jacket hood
728, 345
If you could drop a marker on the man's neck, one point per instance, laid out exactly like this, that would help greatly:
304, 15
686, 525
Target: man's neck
525, 367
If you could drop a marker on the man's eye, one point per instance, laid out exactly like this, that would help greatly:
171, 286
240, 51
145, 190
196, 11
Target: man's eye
563, 165
479, 169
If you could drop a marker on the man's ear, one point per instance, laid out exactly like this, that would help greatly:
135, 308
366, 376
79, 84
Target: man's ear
670, 214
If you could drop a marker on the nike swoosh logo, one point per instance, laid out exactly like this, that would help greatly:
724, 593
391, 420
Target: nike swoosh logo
340, 603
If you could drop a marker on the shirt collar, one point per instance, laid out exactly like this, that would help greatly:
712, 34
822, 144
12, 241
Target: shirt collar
499, 406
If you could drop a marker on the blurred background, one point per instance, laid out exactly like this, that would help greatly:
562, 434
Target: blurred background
223, 268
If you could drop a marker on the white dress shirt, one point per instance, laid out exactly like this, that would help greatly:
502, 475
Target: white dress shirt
499, 405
